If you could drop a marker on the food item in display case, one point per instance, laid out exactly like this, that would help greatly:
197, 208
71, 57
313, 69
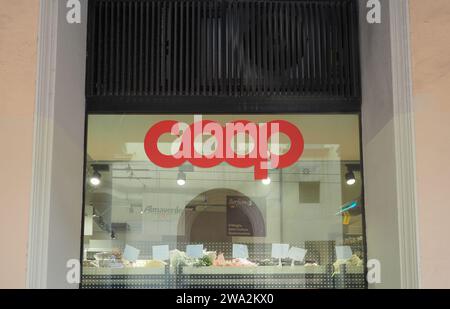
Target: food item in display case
353, 261
155, 263
180, 258
117, 254
220, 261
242, 262
311, 265
355, 240
210, 258
203, 261
108, 259
267, 262
212, 255
148, 264
274, 262
88, 263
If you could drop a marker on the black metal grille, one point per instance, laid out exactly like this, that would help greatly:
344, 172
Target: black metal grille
222, 48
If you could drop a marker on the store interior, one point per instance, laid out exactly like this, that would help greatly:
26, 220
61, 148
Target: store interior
314, 204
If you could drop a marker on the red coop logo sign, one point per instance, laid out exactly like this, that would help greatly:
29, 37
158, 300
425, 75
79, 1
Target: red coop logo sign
241, 143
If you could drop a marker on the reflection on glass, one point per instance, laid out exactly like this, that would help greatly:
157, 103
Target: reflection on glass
302, 226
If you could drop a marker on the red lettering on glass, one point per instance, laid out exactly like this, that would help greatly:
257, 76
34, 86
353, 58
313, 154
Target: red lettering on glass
190, 136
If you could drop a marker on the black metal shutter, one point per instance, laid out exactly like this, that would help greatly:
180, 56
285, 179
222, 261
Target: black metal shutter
219, 56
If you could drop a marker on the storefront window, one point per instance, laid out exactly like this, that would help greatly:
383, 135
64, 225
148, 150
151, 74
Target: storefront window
169, 206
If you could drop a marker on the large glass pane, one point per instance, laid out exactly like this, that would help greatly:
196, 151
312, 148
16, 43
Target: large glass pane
267, 217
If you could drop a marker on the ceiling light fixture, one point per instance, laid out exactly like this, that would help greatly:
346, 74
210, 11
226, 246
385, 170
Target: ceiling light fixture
350, 178
181, 179
96, 179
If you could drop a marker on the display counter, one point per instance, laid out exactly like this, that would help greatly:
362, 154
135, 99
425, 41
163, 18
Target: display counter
225, 277
244, 270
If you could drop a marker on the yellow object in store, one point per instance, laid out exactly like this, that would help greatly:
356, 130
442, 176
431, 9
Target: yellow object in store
346, 218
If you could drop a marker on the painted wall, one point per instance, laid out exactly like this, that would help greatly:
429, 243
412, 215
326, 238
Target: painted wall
430, 34
18, 46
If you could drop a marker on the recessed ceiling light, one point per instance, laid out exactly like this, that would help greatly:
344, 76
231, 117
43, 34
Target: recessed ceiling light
266, 181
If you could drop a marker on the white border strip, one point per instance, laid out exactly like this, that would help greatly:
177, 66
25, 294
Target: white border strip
404, 144
43, 146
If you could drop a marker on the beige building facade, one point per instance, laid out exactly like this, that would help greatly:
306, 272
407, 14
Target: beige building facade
429, 30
